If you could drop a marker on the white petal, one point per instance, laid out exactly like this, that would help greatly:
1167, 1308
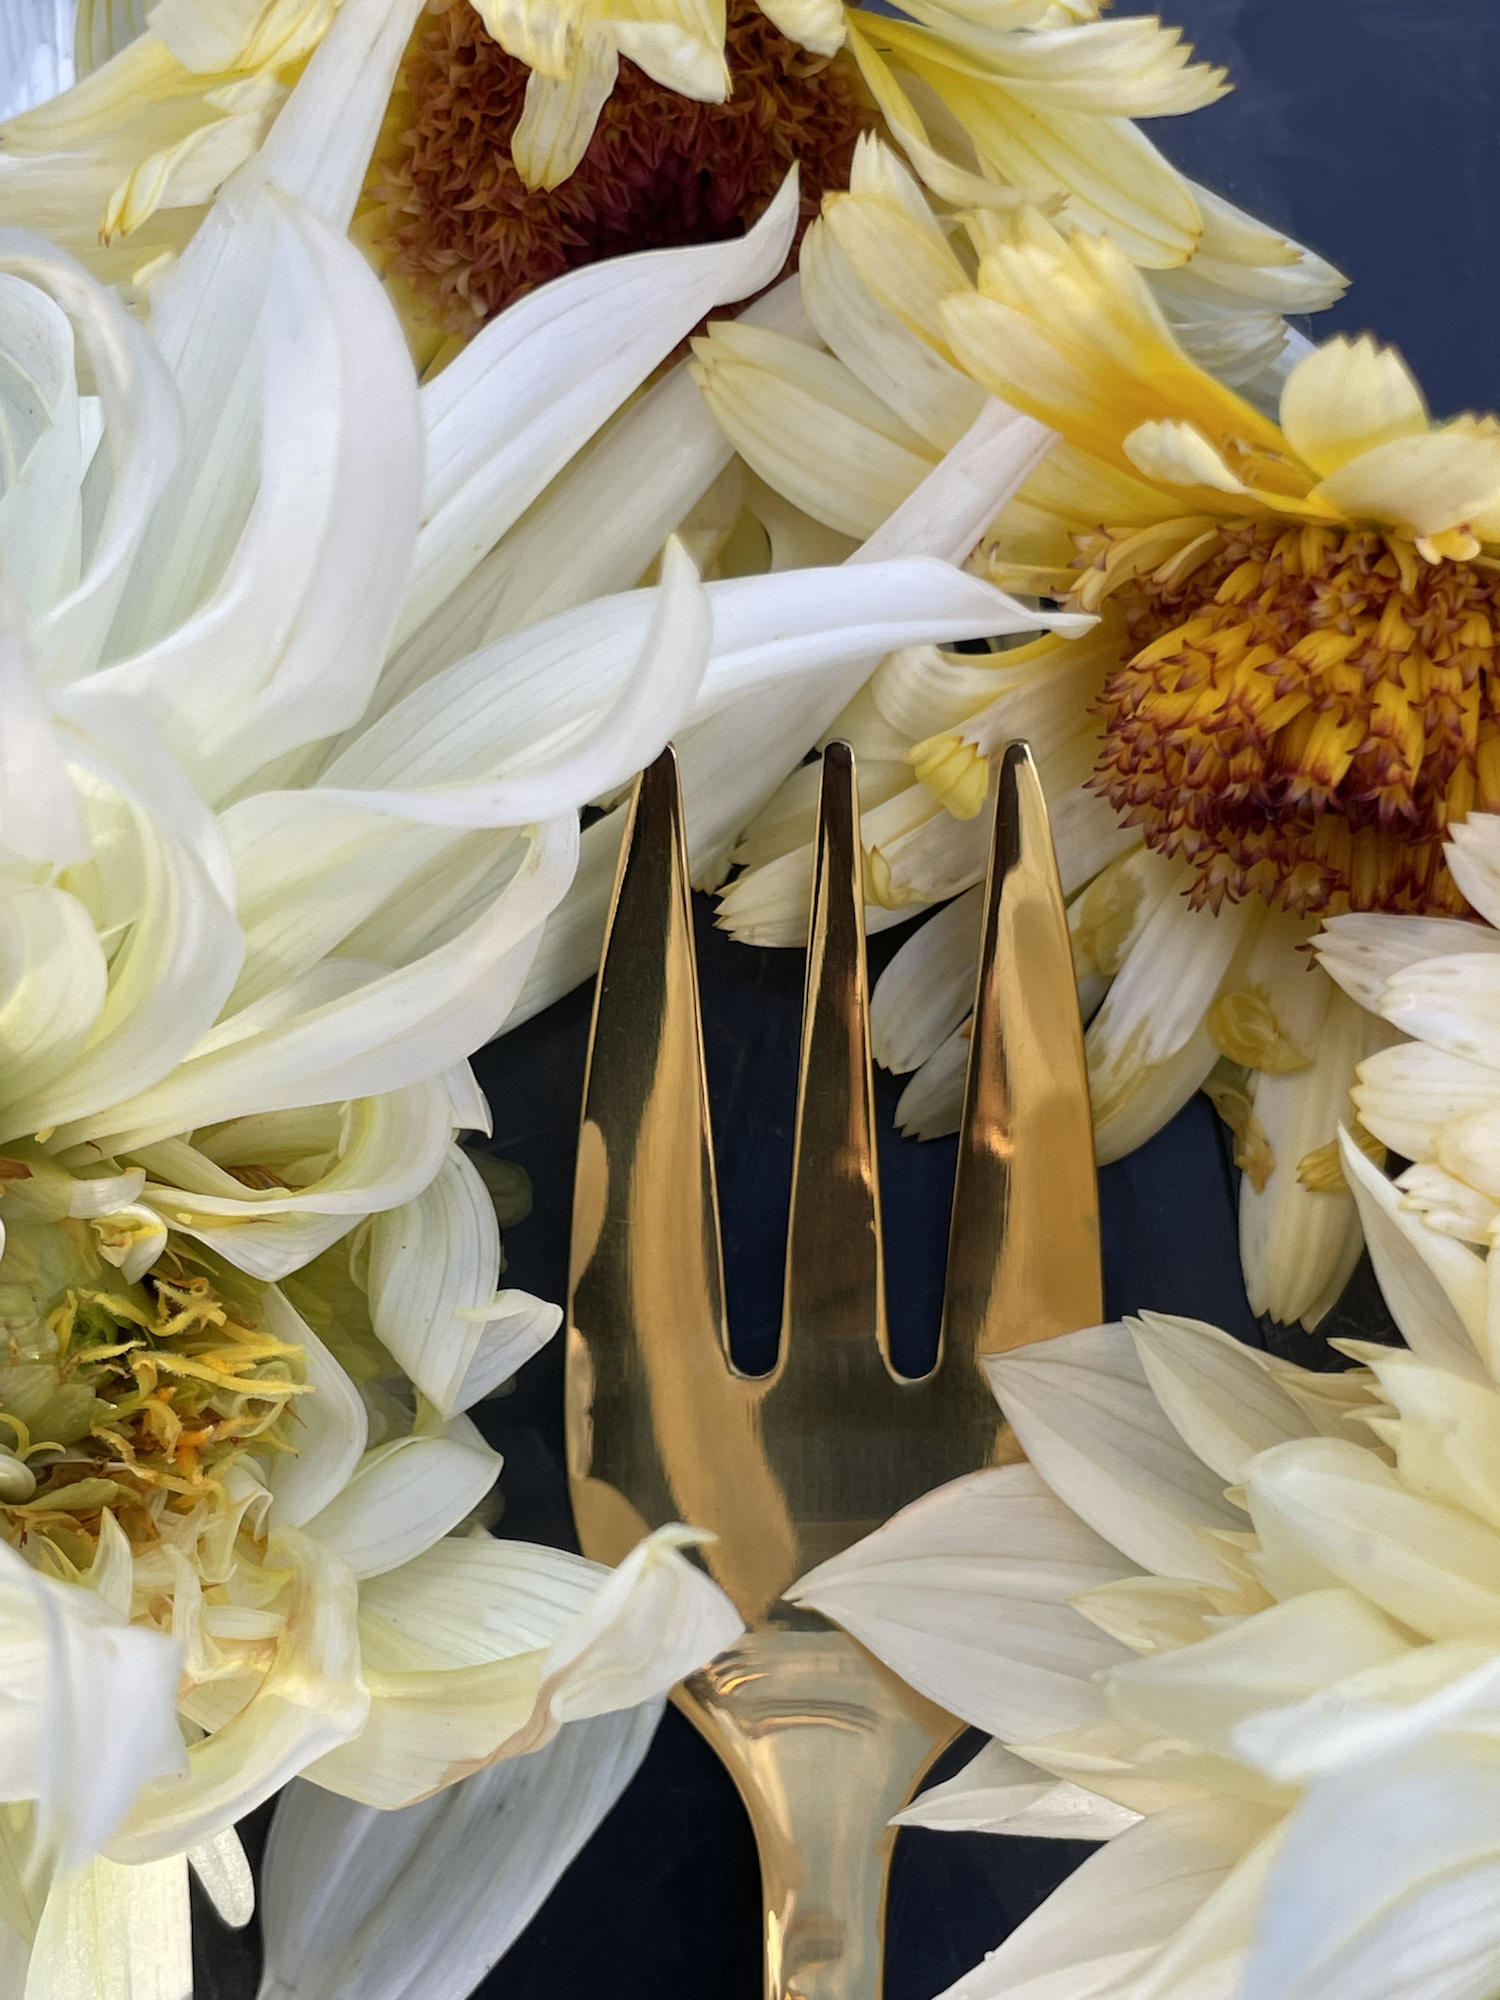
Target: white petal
1097, 1933
418, 1904
404, 1496
168, 977
1329, 1511
1364, 949
966, 1595
74, 1668
223, 1873
655, 700
1083, 1409
392, 1030
383, 1151
288, 648
115, 1933
541, 378
432, 1260
932, 1103
1434, 1286
1452, 1003
330, 1429
1473, 858
1299, 1246
999, 1792
142, 433
1410, 1916
595, 530
640, 1629
36, 54
1148, 1040
311, 1698
1220, 1395
39, 815
928, 987
1405, 1095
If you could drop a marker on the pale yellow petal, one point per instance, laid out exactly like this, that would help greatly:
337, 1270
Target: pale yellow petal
1066, 329
1426, 484
1347, 396
560, 114
815, 24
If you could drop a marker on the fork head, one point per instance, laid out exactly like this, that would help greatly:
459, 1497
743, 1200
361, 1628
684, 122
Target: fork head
788, 1468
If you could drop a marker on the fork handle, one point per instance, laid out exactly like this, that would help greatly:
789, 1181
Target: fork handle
824, 1745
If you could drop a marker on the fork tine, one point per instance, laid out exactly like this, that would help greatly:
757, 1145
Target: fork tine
646, 1276
835, 1259
1023, 1254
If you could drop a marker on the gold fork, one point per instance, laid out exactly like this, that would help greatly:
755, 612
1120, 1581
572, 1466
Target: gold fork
786, 1469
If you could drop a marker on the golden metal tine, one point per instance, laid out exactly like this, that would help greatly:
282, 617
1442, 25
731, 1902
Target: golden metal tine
787, 1469
1023, 1249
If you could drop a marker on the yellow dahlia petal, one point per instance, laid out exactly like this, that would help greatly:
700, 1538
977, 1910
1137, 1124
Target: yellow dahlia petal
1425, 484
560, 114
679, 43
1067, 330
927, 392
809, 427
543, 34
1125, 68
1346, 397
897, 249
191, 172
816, 24
948, 178
1180, 455
1113, 177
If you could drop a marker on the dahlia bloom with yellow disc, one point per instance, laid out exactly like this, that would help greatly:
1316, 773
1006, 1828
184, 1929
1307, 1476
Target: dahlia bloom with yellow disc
291, 786
1285, 703
1238, 1620
523, 138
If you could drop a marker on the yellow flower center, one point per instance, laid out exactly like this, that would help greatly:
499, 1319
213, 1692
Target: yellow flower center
131, 1399
1304, 713
446, 212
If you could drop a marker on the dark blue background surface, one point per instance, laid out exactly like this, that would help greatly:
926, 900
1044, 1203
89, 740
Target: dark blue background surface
1369, 129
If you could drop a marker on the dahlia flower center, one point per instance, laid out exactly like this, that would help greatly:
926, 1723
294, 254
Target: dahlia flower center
127, 1399
1304, 713
447, 212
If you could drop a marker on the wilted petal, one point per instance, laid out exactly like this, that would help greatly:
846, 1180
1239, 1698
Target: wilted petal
312, 1697
453, 1692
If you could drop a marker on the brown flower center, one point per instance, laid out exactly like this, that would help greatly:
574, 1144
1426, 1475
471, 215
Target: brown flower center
455, 220
1305, 714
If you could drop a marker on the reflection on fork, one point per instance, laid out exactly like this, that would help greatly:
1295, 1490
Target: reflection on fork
787, 1469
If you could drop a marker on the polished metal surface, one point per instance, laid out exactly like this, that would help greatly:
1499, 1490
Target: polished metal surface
789, 1468
1023, 1253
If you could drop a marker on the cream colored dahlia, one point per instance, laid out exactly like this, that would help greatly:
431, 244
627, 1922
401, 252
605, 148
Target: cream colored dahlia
1241, 1621
1285, 703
